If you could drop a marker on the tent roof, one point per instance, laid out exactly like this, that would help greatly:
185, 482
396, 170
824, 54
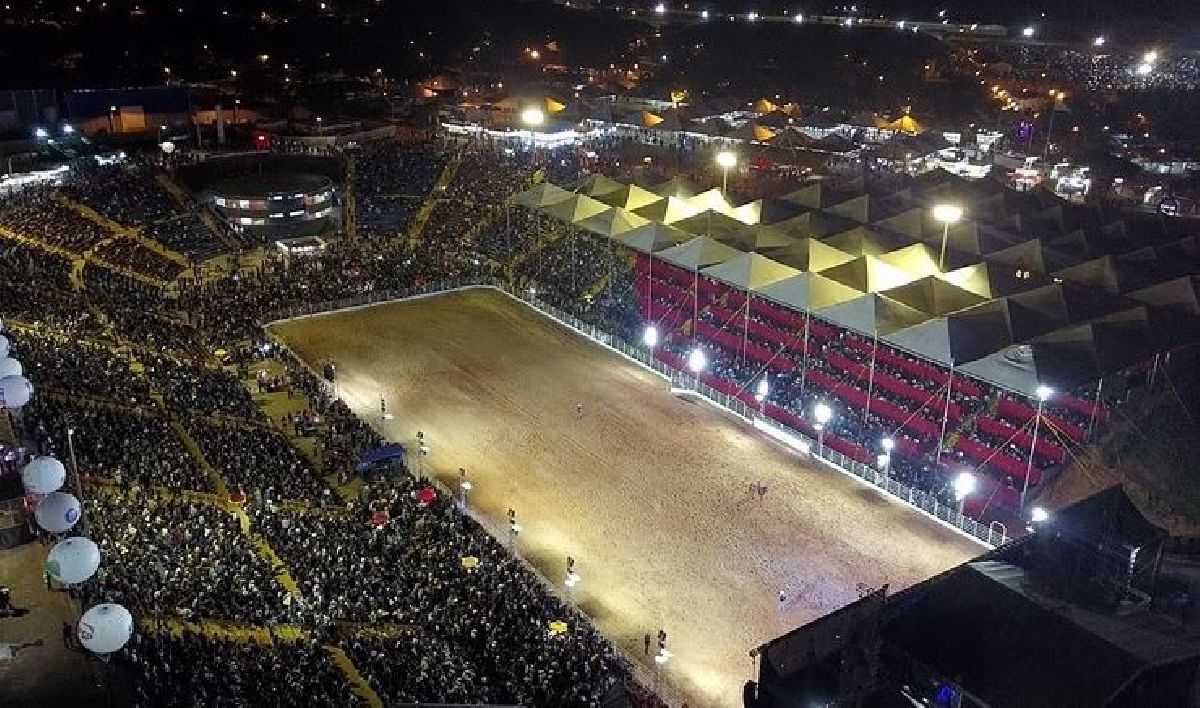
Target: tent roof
991, 280
934, 296
749, 271
653, 236
865, 241
667, 211
541, 195
809, 291
966, 336
710, 222
628, 196
575, 209
712, 199
677, 187
613, 222
872, 313
698, 253
811, 255
758, 238
867, 274
597, 184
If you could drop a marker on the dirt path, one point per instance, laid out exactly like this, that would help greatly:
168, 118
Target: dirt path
648, 492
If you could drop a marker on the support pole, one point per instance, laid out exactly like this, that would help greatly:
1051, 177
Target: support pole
945, 417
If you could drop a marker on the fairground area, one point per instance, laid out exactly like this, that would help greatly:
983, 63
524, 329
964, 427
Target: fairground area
659, 499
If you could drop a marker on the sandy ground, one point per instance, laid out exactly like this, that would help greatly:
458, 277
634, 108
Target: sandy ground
647, 491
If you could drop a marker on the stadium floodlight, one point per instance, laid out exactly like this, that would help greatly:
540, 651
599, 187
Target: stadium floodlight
1099, 41
1037, 515
763, 389
964, 486
799, 18
697, 360
823, 413
650, 336
1150, 57
660, 9
68, 129
726, 160
1044, 393
888, 444
1027, 32
947, 214
533, 117
752, 17
40, 133
704, 15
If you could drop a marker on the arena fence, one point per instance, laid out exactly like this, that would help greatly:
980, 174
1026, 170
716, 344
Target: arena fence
988, 535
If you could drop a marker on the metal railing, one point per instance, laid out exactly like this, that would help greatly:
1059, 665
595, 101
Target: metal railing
918, 499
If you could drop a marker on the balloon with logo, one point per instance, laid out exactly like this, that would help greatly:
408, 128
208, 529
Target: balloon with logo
58, 512
10, 367
43, 475
73, 561
105, 628
15, 391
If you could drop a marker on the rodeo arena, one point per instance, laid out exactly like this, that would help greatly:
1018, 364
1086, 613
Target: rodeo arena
484, 418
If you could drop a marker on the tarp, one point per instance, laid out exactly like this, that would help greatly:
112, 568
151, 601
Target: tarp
628, 197
806, 292
612, 222
575, 209
542, 195
667, 211
810, 255
872, 313
749, 271
698, 253
381, 454
653, 237
712, 199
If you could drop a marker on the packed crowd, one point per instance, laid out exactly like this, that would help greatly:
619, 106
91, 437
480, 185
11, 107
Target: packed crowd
390, 183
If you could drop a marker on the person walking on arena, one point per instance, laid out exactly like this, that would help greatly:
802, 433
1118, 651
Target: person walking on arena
579, 411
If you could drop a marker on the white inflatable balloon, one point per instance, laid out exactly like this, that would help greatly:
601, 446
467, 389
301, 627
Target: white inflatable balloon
105, 628
4, 348
10, 367
58, 512
15, 391
74, 560
43, 475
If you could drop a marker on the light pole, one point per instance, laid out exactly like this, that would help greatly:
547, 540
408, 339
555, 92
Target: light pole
964, 486
1055, 97
726, 160
823, 414
464, 486
112, 113
763, 389
320, 128
78, 485
696, 362
1043, 394
947, 214
888, 445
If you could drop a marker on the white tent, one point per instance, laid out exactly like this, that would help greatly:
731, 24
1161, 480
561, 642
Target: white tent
698, 253
749, 271
612, 222
653, 236
806, 292
542, 195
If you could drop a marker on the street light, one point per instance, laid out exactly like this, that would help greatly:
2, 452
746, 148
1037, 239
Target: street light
823, 414
1037, 515
1099, 41
40, 133
1027, 32
947, 214
533, 117
650, 336
964, 486
726, 160
1043, 393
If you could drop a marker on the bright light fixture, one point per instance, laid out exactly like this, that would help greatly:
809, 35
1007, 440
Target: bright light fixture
1027, 32
1037, 515
964, 485
763, 389
697, 361
1044, 393
533, 117
823, 413
650, 336
888, 444
947, 213
726, 159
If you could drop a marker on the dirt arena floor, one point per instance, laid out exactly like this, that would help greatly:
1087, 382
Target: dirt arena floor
649, 492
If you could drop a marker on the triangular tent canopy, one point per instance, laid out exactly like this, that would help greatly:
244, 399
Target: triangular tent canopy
909, 223
698, 253
865, 241
653, 237
752, 132
858, 209
806, 292
749, 271
711, 223
613, 222
918, 260
712, 199
808, 196
867, 274
991, 280
834, 143
958, 339
677, 187
667, 211
934, 296
598, 185
575, 209
872, 313
810, 255
768, 211
629, 197
759, 238
790, 139
542, 195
